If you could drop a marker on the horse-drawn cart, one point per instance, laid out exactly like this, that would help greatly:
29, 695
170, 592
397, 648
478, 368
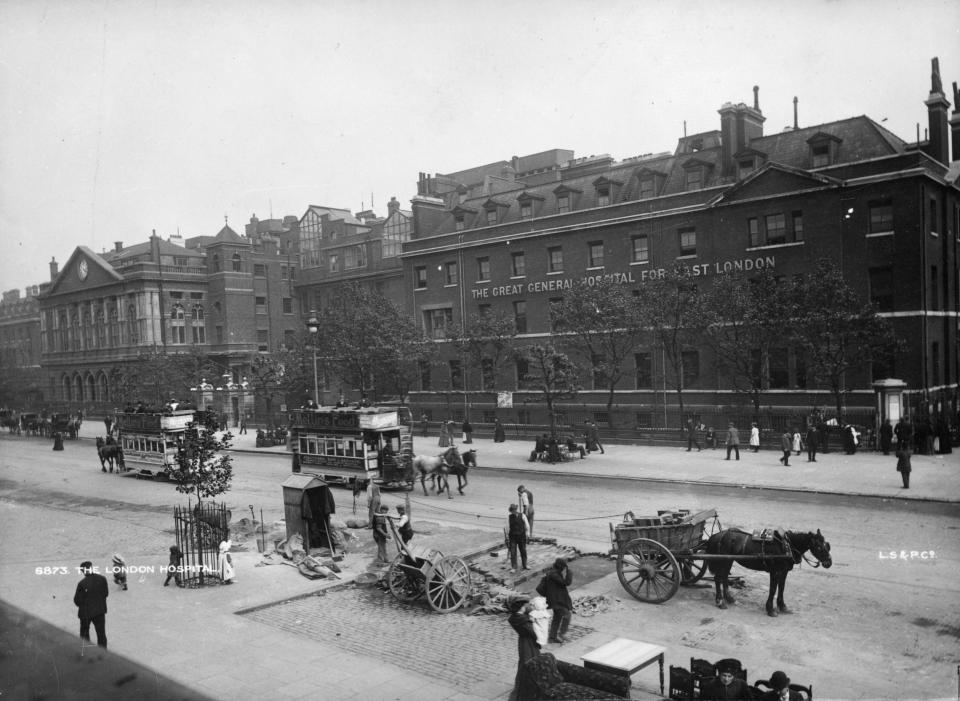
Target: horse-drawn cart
655, 555
445, 580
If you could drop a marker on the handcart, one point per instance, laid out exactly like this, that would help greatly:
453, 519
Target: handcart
445, 580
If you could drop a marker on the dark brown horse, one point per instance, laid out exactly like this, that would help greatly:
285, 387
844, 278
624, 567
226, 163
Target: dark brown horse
776, 556
110, 453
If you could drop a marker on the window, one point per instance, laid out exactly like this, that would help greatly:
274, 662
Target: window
797, 225
595, 254
293, 272
554, 307
260, 270
491, 216
603, 196
563, 203
487, 379
518, 266
114, 321
178, 334
779, 369
646, 188
821, 155
456, 375
644, 370
396, 230
235, 262
287, 304
881, 288
688, 241
436, 321
263, 340
420, 277
745, 166
694, 178
219, 331
452, 274
641, 249
284, 272
555, 259
520, 316
483, 269
459, 222
261, 304
198, 329
216, 263
354, 257
690, 360
523, 374
334, 261
753, 229
934, 218
776, 229
425, 376
881, 216
526, 210
289, 338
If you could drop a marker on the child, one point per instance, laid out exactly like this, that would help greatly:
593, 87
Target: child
226, 564
119, 573
173, 569
540, 616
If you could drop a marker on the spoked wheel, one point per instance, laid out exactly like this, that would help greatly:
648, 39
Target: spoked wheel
403, 584
448, 584
648, 570
691, 571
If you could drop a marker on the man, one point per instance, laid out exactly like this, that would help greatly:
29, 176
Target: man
692, 436
786, 445
380, 533
886, 436
733, 440
812, 441
424, 425
517, 537
553, 587
91, 601
781, 689
725, 687
593, 437
525, 497
403, 525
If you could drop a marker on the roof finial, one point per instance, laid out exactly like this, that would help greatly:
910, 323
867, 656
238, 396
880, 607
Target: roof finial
794, 111
225, 220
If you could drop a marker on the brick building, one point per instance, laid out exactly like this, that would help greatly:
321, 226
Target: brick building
512, 235
20, 347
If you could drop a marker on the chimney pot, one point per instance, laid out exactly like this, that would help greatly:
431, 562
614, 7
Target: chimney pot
117, 246
756, 97
54, 269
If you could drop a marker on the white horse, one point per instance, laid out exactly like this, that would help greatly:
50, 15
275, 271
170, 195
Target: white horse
438, 467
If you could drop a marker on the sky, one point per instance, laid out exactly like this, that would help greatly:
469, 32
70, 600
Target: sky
120, 117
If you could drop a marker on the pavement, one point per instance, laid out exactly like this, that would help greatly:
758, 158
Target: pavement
276, 635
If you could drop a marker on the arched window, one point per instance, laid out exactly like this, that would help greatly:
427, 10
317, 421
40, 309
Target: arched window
177, 325
63, 331
198, 329
88, 334
101, 330
235, 261
77, 388
114, 323
65, 388
77, 332
102, 395
216, 263
90, 390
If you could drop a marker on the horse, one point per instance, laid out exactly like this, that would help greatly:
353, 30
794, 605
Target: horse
438, 467
110, 453
777, 556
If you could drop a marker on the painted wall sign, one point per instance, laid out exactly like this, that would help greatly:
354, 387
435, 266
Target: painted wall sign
629, 278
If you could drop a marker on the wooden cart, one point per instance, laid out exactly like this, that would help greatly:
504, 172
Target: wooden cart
445, 580
655, 555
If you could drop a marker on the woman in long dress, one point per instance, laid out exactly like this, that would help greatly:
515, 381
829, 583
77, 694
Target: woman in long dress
527, 645
444, 435
227, 573
754, 438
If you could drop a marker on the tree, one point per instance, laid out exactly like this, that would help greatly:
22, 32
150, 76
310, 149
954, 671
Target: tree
747, 319
837, 330
351, 334
486, 341
399, 366
549, 372
601, 324
200, 468
671, 309
156, 375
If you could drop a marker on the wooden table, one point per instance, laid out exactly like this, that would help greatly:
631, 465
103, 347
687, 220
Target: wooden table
624, 657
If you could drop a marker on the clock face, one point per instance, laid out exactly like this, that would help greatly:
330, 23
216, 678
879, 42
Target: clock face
82, 270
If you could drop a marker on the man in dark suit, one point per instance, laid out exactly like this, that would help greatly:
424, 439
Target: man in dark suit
91, 601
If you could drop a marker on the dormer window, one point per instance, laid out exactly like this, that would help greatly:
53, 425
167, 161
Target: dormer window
694, 179
459, 222
603, 195
491, 216
646, 188
526, 210
823, 149
695, 173
528, 203
563, 203
820, 155
746, 166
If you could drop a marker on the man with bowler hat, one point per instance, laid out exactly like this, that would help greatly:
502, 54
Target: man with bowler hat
91, 601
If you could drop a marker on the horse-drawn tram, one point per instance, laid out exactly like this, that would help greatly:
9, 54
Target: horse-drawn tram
150, 441
354, 446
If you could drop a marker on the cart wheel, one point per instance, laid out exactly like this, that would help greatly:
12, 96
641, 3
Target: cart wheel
691, 571
403, 585
648, 570
448, 584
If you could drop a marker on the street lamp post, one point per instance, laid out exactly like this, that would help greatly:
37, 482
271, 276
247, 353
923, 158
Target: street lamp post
313, 326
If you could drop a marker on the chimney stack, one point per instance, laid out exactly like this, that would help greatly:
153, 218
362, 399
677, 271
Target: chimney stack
955, 123
393, 206
795, 123
739, 125
117, 246
938, 145
54, 269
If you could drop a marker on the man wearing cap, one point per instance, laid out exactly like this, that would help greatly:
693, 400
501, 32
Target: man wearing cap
781, 689
525, 499
726, 686
517, 537
91, 602
403, 524
380, 533
553, 587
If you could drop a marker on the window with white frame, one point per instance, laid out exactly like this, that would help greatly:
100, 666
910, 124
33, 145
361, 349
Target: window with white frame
640, 249
520, 316
518, 265
595, 254
776, 225
483, 269
420, 277
688, 241
437, 321
555, 259
881, 216
563, 203
452, 273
